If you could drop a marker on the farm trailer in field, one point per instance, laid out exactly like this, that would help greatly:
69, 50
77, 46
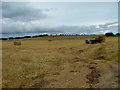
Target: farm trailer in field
96, 40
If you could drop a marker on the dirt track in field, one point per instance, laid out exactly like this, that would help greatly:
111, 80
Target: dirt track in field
60, 64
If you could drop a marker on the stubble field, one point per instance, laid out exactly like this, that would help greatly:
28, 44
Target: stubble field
60, 62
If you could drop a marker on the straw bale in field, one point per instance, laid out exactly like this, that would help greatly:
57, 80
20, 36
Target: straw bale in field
17, 43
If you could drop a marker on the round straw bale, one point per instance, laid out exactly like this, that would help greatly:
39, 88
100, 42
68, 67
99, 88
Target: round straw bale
17, 43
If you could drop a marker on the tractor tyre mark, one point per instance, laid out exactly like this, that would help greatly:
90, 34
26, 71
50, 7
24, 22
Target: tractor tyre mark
93, 76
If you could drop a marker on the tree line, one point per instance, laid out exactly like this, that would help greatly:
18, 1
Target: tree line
106, 34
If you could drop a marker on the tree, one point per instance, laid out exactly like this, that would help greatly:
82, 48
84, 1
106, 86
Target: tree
117, 33
109, 34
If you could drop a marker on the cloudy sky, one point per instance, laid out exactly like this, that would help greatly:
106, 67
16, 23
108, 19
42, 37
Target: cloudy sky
34, 18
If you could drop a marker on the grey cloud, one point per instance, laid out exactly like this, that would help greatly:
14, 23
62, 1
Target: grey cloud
77, 29
11, 27
110, 23
105, 26
19, 18
21, 12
